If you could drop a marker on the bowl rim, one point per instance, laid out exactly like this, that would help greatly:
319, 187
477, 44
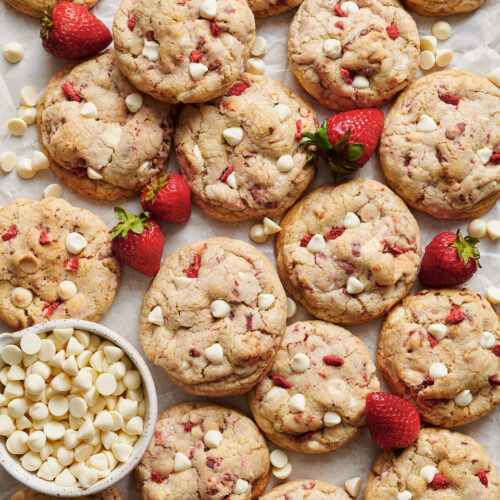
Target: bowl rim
11, 463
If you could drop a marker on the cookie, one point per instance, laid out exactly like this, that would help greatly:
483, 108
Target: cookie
188, 51
240, 153
359, 57
56, 262
313, 399
437, 349
440, 147
28, 494
94, 143
306, 489
441, 460
348, 253
442, 7
204, 450
266, 8
214, 317
37, 8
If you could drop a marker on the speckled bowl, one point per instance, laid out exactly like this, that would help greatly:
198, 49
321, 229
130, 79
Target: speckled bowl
11, 463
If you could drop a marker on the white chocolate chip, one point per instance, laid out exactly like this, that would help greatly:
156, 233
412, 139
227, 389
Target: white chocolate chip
17, 443
282, 473
494, 77
438, 330
484, 155
7, 426
283, 112
493, 229
316, 243
427, 60
135, 426
78, 407
404, 495
134, 102
215, 354
36, 441
256, 66
487, 340
151, 50
8, 161
360, 82
353, 486
197, 70
28, 97
11, 354
34, 385
331, 418
213, 439
50, 469
66, 290
265, 300
17, 407
89, 110
300, 363
63, 334
54, 430
233, 135
291, 307
441, 30
332, 48
83, 381
437, 371
426, 124
65, 456
220, 308
16, 372
39, 161
427, 473
284, 163
73, 347
31, 461
270, 227
143, 167
351, 220
87, 477
104, 421
17, 127
349, 7
208, 9
28, 115
93, 174
428, 43
156, 316
30, 343
464, 398
259, 47
493, 294
75, 243
58, 405
477, 228
444, 57
181, 462
197, 152
132, 380
354, 286
65, 479
106, 384
297, 403
127, 407
13, 52
278, 458
257, 233
231, 180
241, 486
21, 297
113, 353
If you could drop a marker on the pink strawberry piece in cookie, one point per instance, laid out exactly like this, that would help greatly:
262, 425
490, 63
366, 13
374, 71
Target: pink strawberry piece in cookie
194, 267
156, 477
71, 93
72, 264
392, 31
281, 382
333, 361
481, 474
495, 158
45, 238
215, 29
455, 316
338, 10
347, 75
298, 134
238, 88
226, 173
50, 308
432, 340
334, 233
131, 22
195, 56
494, 381
496, 350
450, 99
305, 240
10, 233
439, 482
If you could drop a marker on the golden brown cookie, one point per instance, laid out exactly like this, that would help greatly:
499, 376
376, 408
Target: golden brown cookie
28, 494
37, 8
442, 7
266, 8
306, 489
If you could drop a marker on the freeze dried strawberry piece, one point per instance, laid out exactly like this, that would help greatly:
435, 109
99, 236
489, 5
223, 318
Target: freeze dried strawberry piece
481, 474
194, 353
72, 264
395, 250
392, 31
10, 233
50, 308
308, 486
215, 29
496, 350
238, 88
334, 233
131, 21
188, 426
495, 158
45, 238
213, 462
226, 173
426, 383
450, 99
333, 361
194, 267
347, 75
298, 125
455, 316
303, 437
439, 482
432, 340
338, 10
156, 477
281, 382
70, 92
195, 56
305, 240
79, 172
339, 24
494, 381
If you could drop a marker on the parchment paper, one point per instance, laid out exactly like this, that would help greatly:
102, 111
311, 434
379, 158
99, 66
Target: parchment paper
476, 43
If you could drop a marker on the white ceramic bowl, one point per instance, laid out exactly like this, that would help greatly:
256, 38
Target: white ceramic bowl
11, 463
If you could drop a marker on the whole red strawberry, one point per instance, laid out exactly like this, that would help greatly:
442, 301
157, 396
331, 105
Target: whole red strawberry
70, 31
138, 241
168, 198
393, 422
449, 260
346, 140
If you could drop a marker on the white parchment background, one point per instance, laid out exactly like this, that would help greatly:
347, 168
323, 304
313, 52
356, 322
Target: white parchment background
476, 42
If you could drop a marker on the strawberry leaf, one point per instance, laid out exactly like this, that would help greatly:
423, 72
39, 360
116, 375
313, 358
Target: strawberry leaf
341, 144
354, 151
466, 248
129, 222
137, 227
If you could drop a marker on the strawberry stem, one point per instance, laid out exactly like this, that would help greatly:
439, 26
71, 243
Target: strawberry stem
46, 22
466, 248
129, 222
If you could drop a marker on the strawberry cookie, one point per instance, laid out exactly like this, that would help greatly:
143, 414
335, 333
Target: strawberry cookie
440, 349
313, 399
103, 138
28, 494
214, 317
442, 7
353, 54
204, 450
56, 262
266, 8
441, 464
241, 154
306, 489
37, 8
440, 148
183, 51
349, 253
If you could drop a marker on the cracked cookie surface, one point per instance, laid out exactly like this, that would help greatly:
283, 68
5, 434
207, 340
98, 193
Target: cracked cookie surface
37, 8
407, 350
337, 376
28, 494
462, 463
441, 172
220, 269
241, 455
181, 36
306, 489
376, 53
126, 149
266, 8
382, 251
268, 115
442, 7
33, 257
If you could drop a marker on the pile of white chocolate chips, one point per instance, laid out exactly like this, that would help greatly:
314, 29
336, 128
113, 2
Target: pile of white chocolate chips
71, 405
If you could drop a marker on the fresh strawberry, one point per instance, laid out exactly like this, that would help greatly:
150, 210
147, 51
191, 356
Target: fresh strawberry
138, 241
70, 31
392, 421
346, 140
449, 260
168, 198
